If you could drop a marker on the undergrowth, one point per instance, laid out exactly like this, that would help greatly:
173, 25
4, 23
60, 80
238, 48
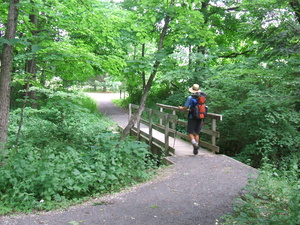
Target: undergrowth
64, 154
273, 198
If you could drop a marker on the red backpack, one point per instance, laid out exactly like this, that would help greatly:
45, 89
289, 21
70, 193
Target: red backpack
198, 108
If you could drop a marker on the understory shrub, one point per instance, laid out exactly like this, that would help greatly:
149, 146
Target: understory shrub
65, 153
273, 198
38, 178
257, 121
265, 129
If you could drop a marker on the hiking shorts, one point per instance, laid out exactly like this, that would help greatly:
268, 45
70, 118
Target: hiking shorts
194, 126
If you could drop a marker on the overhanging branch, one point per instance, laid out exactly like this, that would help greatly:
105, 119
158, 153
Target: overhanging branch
235, 54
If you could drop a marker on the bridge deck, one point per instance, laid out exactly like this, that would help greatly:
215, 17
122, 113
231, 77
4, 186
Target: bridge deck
182, 147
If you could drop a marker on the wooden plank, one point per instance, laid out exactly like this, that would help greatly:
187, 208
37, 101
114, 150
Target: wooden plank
209, 146
174, 122
138, 127
130, 111
215, 134
158, 127
167, 106
160, 119
183, 123
133, 106
161, 129
213, 128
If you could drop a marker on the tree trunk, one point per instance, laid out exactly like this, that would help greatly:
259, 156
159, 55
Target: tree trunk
30, 67
105, 83
5, 73
148, 86
143, 72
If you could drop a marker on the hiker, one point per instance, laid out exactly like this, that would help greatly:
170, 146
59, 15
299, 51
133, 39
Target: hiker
194, 124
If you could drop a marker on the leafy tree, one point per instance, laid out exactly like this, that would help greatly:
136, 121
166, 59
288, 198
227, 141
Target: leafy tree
165, 19
6, 67
164, 24
60, 41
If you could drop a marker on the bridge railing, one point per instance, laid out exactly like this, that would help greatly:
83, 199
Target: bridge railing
165, 120
150, 120
210, 117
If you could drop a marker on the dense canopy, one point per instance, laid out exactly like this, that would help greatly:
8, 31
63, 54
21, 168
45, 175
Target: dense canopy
245, 54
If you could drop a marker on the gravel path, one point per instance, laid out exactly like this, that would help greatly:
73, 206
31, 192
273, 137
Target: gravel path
194, 190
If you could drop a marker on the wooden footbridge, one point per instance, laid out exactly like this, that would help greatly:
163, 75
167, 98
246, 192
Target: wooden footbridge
164, 129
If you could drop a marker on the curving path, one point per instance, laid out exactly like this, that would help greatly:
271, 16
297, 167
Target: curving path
119, 115
194, 190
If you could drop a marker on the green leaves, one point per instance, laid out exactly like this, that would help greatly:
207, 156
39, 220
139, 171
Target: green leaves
66, 153
271, 199
9, 42
71, 174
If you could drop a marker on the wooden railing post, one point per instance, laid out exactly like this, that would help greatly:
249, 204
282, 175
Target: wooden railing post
160, 119
138, 125
130, 112
167, 115
213, 128
150, 126
174, 124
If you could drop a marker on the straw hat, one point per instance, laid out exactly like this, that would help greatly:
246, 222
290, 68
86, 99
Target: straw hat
194, 88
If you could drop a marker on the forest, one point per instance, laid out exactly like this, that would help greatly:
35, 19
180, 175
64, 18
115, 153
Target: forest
245, 54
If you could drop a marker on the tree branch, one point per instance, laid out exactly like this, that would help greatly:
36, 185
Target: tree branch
235, 54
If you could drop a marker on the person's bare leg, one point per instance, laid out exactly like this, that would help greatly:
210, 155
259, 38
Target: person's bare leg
191, 137
193, 140
196, 136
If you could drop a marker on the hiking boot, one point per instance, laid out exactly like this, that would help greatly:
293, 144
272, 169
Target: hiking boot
196, 148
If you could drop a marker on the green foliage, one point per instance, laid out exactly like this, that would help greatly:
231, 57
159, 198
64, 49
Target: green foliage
49, 98
157, 95
245, 55
122, 103
259, 114
272, 199
34, 178
175, 99
64, 154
